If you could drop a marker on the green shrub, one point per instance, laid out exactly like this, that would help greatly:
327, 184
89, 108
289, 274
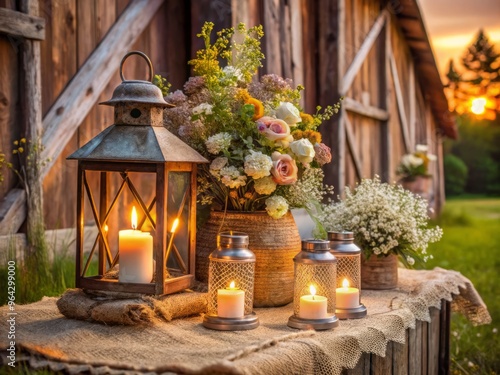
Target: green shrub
455, 175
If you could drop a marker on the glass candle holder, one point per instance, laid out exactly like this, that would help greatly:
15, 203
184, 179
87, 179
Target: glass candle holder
314, 287
231, 284
348, 282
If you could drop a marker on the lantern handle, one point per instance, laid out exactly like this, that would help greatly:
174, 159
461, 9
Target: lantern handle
144, 56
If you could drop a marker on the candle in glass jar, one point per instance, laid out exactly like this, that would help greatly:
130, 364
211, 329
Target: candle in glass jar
136, 254
312, 306
347, 298
231, 302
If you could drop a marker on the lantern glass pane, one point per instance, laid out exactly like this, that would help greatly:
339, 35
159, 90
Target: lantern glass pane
178, 214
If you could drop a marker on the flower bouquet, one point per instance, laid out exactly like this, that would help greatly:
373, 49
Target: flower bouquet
386, 219
415, 164
265, 153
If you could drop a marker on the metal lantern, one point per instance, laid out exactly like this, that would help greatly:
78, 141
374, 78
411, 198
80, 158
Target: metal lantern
348, 283
136, 166
314, 287
230, 284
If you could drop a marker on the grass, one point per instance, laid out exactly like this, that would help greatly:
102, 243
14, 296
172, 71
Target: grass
471, 245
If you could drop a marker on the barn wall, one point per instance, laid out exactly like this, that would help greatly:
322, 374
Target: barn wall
301, 43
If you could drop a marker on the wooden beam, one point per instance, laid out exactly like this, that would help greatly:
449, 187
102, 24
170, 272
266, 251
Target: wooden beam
353, 105
412, 96
22, 25
361, 55
399, 101
80, 95
12, 211
351, 142
385, 96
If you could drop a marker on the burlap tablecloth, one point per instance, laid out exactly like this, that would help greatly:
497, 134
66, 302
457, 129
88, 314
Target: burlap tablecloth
46, 338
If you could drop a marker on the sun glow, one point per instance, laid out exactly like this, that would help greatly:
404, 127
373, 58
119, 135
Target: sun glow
478, 106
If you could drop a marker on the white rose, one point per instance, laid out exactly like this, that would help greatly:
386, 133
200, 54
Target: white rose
422, 148
203, 108
304, 150
288, 113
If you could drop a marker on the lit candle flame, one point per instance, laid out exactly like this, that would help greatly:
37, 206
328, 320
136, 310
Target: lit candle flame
345, 283
174, 225
232, 285
312, 289
134, 218
106, 228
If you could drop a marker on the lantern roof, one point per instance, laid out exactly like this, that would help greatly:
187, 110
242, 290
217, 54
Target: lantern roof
139, 143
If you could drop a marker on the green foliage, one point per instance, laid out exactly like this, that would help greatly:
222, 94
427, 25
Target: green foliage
455, 175
477, 147
162, 84
35, 280
470, 245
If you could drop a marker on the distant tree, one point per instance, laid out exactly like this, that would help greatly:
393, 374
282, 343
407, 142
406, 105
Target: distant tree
479, 77
455, 175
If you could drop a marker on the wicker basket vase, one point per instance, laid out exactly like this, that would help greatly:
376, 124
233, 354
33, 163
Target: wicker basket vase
379, 272
274, 243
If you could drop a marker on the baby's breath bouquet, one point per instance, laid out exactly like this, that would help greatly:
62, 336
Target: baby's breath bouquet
386, 219
264, 151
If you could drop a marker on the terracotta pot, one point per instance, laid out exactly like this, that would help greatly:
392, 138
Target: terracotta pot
274, 243
420, 185
379, 272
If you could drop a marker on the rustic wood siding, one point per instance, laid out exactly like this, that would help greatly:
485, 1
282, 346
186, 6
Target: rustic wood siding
311, 42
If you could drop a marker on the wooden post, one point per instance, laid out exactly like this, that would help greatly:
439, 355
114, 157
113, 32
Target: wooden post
31, 98
384, 97
331, 47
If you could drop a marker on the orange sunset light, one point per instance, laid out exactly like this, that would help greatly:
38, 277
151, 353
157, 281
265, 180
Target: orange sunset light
478, 105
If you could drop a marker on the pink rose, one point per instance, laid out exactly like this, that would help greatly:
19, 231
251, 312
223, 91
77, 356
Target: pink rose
284, 169
273, 128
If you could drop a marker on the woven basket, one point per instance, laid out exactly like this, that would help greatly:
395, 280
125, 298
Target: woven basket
379, 272
274, 243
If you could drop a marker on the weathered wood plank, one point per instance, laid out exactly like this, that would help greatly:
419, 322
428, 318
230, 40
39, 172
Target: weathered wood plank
412, 102
365, 48
383, 365
415, 349
399, 101
62, 241
444, 338
331, 19
385, 102
12, 211
351, 141
23, 25
433, 346
362, 367
400, 356
425, 347
353, 105
296, 43
80, 94
272, 42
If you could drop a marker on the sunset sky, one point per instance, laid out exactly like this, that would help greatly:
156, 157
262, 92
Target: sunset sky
452, 25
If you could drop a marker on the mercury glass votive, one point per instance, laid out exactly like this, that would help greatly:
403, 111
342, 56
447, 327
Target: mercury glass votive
314, 287
230, 284
348, 282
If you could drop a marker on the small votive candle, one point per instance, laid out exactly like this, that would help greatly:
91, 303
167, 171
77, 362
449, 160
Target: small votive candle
347, 297
313, 306
231, 302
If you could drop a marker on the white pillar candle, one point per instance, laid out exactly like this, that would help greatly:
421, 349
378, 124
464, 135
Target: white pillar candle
312, 306
136, 254
231, 302
347, 298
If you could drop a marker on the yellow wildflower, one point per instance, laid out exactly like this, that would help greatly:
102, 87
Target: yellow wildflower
298, 134
243, 95
258, 106
313, 136
307, 119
